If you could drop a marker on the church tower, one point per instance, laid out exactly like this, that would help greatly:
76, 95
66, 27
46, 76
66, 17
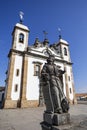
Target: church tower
17, 67
20, 37
69, 80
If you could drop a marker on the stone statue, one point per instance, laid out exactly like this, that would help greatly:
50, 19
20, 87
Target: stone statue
52, 87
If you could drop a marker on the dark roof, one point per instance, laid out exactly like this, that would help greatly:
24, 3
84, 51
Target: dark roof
81, 94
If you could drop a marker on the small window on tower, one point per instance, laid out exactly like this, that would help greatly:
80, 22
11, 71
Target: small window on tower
69, 78
65, 51
70, 90
16, 88
17, 72
21, 37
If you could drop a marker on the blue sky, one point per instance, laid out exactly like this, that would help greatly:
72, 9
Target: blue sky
49, 15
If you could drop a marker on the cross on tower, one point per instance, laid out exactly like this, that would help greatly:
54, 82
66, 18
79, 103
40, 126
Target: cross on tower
59, 30
45, 34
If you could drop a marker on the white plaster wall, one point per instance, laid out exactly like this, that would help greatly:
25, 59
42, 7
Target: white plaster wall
16, 79
32, 81
64, 84
70, 83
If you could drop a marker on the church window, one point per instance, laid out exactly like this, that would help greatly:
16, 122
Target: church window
17, 72
70, 90
21, 37
65, 51
16, 87
37, 70
69, 78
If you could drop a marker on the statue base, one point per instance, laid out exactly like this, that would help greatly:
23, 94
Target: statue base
56, 121
53, 127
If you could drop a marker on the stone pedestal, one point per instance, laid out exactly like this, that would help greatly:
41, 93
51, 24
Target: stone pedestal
56, 121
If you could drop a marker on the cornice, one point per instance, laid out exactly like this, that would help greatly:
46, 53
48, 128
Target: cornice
36, 55
63, 43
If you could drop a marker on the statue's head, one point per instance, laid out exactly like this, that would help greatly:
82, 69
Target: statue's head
51, 59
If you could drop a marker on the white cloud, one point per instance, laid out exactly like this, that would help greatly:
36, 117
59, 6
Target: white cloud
81, 90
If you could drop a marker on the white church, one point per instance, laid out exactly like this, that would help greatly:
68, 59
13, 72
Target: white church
24, 67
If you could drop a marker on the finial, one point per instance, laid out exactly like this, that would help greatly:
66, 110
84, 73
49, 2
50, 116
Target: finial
21, 14
45, 34
59, 30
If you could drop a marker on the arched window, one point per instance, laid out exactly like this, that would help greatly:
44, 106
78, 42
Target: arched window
37, 71
21, 37
37, 68
65, 51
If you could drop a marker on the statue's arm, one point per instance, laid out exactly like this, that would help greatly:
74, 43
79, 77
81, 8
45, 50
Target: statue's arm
44, 73
61, 72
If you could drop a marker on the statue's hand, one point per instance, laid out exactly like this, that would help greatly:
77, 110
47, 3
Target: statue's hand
47, 77
64, 71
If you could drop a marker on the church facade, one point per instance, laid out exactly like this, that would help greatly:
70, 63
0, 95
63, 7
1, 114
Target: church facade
24, 67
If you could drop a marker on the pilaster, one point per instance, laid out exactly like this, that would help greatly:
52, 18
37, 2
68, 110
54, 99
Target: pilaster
24, 102
24, 81
66, 83
73, 89
7, 103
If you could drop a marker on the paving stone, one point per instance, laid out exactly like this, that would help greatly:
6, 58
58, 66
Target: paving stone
29, 119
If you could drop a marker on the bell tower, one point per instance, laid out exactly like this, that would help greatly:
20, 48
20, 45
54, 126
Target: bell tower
64, 50
16, 75
67, 63
20, 35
